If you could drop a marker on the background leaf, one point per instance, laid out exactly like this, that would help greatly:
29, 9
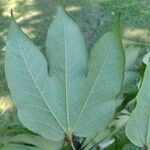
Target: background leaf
18, 147
37, 141
132, 74
137, 129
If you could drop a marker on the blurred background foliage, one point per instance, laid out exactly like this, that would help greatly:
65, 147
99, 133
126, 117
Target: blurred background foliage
94, 18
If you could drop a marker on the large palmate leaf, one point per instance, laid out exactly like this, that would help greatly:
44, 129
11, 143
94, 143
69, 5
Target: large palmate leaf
78, 94
137, 129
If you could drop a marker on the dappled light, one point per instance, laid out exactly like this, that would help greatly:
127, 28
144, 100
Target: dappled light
5, 104
137, 36
73, 8
7, 6
28, 15
143, 34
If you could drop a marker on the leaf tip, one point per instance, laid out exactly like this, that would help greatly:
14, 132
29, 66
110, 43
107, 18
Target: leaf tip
11, 12
13, 24
60, 10
13, 21
117, 21
12, 15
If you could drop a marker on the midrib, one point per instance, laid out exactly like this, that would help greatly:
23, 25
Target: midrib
66, 78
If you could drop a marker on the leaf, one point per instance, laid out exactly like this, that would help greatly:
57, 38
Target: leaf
78, 94
37, 141
106, 144
93, 142
16, 136
29, 83
137, 128
66, 54
67, 57
132, 73
130, 82
102, 85
119, 140
112, 138
132, 54
18, 147
125, 146
120, 120
130, 146
146, 58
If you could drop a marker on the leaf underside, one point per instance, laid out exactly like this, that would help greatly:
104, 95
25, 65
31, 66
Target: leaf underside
138, 126
78, 94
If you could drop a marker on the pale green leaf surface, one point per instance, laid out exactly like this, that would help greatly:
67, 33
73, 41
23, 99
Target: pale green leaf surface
146, 58
85, 97
28, 80
138, 126
132, 54
132, 74
130, 81
102, 85
95, 140
120, 120
78, 96
67, 57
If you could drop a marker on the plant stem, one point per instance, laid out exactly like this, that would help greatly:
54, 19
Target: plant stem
72, 144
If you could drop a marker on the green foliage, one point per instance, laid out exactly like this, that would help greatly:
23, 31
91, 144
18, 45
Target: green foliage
30, 142
71, 95
132, 74
137, 128
65, 100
